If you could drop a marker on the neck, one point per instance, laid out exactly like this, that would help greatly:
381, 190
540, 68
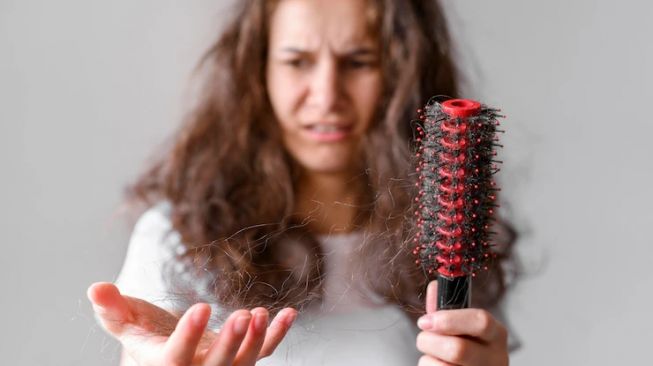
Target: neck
329, 202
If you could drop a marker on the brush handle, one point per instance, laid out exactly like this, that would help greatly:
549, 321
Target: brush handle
454, 292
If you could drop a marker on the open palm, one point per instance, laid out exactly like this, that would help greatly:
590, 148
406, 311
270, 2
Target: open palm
153, 336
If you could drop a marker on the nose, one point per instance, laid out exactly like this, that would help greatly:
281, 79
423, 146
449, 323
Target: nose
325, 87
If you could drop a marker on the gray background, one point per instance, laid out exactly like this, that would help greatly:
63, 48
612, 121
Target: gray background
88, 89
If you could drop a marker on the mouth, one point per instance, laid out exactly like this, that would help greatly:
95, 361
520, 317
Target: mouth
328, 132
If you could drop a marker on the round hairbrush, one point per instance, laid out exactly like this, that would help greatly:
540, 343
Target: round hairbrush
456, 195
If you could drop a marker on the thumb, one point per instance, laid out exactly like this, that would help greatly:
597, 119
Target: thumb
110, 307
432, 297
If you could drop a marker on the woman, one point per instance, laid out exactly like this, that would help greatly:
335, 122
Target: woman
289, 189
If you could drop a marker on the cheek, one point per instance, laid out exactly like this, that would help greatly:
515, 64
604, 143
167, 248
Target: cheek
283, 92
368, 95
283, 99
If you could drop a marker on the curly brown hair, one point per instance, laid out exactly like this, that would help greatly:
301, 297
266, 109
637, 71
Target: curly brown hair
232, 186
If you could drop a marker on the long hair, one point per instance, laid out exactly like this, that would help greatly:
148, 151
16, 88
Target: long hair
232, 186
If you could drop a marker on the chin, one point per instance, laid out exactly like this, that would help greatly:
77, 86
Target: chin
325, 161
325, 168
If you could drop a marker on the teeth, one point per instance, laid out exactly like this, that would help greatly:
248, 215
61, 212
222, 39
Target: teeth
325, 128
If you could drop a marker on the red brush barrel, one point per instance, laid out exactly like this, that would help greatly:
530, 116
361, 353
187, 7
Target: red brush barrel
450, 256
456, 196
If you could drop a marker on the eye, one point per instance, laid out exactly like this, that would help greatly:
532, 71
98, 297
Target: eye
298, 63
360, 63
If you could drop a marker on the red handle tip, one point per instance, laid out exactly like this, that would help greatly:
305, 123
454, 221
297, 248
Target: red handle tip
461, 107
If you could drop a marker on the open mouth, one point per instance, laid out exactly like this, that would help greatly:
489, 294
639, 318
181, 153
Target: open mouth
328, 132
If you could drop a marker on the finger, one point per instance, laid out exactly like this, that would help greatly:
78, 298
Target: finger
426, 360
225, 347
455, 350
477, 323
110, 306
277, 330
432, 297
151, 318
182, 344
251, 346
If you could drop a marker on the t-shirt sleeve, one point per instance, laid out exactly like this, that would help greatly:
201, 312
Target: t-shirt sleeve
152, 244
153, 271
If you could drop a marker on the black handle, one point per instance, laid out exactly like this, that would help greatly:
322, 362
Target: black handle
454, 292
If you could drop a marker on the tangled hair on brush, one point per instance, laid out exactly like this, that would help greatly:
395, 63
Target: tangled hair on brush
232, 186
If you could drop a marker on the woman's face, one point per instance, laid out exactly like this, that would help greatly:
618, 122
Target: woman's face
323, 79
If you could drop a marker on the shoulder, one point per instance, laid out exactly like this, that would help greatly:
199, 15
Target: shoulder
152, 245
154, 221
154, 271
153, 238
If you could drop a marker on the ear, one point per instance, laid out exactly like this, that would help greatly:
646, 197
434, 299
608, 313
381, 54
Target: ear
432, 297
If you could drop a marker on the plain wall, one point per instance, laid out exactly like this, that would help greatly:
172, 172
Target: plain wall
89, 89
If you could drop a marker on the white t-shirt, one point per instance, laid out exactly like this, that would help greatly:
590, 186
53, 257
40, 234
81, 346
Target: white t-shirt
350, 326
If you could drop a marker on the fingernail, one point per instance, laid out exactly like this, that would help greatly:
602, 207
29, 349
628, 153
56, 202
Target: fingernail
241, 324
198, 317
424, 322
291, 318
288, 319
260, 322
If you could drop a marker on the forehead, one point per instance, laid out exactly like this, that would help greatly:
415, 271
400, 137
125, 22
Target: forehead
312, 24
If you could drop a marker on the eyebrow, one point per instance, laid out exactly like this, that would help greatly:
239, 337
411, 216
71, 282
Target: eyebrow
361, 51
